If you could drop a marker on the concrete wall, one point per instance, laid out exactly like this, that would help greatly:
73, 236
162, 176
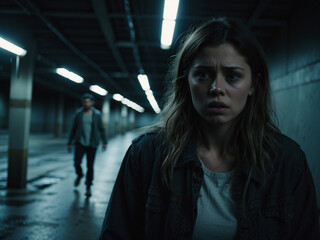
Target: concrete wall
141, 119
294, 63
114, 120
44, 110
42, 114
4, 102
4, 110
145, 119
70, 107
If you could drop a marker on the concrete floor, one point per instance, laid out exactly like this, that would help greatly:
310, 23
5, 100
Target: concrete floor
51, 207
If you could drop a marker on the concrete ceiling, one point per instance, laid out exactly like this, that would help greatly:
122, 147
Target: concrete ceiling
109, 42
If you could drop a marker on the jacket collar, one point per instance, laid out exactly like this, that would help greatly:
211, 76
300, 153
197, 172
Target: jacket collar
245, 169
94, 110
190, 155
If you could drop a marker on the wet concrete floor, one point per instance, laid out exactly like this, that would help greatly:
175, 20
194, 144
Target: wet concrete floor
51, 207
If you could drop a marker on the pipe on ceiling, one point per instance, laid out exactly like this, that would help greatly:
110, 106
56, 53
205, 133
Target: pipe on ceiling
133, 37
73, 48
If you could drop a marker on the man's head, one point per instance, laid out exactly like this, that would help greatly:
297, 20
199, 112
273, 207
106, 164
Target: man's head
87, 101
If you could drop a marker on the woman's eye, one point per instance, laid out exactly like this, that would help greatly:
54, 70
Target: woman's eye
233, 77
202, 75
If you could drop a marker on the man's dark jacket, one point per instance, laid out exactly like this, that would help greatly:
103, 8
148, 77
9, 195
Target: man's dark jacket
284, 207
97, 128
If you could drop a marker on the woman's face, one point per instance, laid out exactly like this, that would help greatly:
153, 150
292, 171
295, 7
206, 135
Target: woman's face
220, 82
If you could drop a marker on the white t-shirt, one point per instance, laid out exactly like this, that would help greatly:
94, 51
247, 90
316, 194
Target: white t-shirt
216, 209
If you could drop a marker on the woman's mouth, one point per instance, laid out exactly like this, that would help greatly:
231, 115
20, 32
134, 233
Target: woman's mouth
217, 107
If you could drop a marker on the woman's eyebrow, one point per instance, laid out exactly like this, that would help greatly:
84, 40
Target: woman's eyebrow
204, 67
233, 68
210, 68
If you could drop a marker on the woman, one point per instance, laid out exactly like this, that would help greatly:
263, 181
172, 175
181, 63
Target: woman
216, 167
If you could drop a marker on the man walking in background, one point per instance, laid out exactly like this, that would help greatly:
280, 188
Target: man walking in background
86, 132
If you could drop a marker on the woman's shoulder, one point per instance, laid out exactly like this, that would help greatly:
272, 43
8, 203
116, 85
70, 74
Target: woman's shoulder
145, 154
289, 153
147, 147
286, 144
149, 140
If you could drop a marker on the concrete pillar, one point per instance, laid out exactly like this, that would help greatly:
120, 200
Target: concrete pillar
116, 117
19, 115
132, 119
59, 117
106, 115
4, 111
124, 115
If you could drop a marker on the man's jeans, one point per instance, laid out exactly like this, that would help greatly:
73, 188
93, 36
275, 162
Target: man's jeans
79, 152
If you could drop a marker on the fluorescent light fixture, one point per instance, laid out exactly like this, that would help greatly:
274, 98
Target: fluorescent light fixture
167, 33
125, 101
170, 9
136, 107
154, 103
149, 92
144, 82
130, 104
117, 97
168, 23
12, 48
70, 75
99, 90
140, 109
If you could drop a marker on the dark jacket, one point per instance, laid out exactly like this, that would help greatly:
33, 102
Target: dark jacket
97, 130
140, 208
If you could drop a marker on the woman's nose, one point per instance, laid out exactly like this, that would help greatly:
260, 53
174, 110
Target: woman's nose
217, 86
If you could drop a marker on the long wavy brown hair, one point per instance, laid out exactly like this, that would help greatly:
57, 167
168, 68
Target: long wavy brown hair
254, 126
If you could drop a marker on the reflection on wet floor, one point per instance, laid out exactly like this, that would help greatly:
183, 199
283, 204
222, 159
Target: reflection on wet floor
46, 181
50, 207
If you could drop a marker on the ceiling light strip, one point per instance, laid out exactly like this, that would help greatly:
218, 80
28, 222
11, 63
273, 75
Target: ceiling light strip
69, 75
12, 47
144, 82
99, 90
118, 97
168, 23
